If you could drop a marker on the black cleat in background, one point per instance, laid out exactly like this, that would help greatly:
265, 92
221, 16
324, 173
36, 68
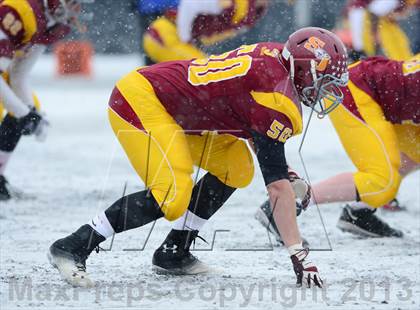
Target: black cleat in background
364, 222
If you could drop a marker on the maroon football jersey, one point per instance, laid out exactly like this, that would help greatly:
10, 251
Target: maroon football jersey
236, 92
403, 5
394, 85
208, 28
16, 24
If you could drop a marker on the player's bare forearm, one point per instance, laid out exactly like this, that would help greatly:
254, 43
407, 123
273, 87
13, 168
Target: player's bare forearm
282, 200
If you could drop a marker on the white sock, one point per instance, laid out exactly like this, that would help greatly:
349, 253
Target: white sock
357, 205
101, 225
189, 221
4, 158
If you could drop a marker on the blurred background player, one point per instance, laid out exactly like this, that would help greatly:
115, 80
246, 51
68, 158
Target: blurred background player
378, 125
374, 27
162, 119
27, 27
149, 11
181, 33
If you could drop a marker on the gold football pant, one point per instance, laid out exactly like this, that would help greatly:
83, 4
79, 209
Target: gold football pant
162, 43
163, 154
374, 145
392, 39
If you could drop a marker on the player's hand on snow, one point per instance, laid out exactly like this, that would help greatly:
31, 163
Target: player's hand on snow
302, 191
306, 272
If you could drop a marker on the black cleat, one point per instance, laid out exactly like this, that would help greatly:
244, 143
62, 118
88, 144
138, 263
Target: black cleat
364, 222
174, 256
69, 255
264, 215
4, 190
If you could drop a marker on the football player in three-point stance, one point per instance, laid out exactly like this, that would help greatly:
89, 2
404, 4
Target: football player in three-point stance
378, 125
26, 28
171, 116
179, 34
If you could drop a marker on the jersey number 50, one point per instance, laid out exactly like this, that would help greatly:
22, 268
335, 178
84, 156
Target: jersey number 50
222, 67
278, 132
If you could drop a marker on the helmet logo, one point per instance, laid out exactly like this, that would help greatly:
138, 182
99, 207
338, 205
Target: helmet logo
315, 46
322, 65
314, 43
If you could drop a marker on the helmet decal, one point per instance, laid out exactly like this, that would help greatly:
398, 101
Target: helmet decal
322, 65
315, 45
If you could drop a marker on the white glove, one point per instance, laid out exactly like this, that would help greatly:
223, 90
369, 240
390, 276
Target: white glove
306, 272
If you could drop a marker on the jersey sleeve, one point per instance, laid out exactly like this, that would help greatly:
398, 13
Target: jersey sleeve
276, 110
6, 49
11, 25
18, 21
275, 115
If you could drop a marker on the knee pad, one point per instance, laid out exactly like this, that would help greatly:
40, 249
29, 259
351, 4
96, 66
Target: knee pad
377, 190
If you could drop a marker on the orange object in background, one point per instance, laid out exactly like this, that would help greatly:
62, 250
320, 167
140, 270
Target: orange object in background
74, 58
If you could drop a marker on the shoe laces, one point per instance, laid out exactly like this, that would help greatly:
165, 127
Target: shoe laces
199, 237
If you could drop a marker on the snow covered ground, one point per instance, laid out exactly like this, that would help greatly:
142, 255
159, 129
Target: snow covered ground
81, 169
